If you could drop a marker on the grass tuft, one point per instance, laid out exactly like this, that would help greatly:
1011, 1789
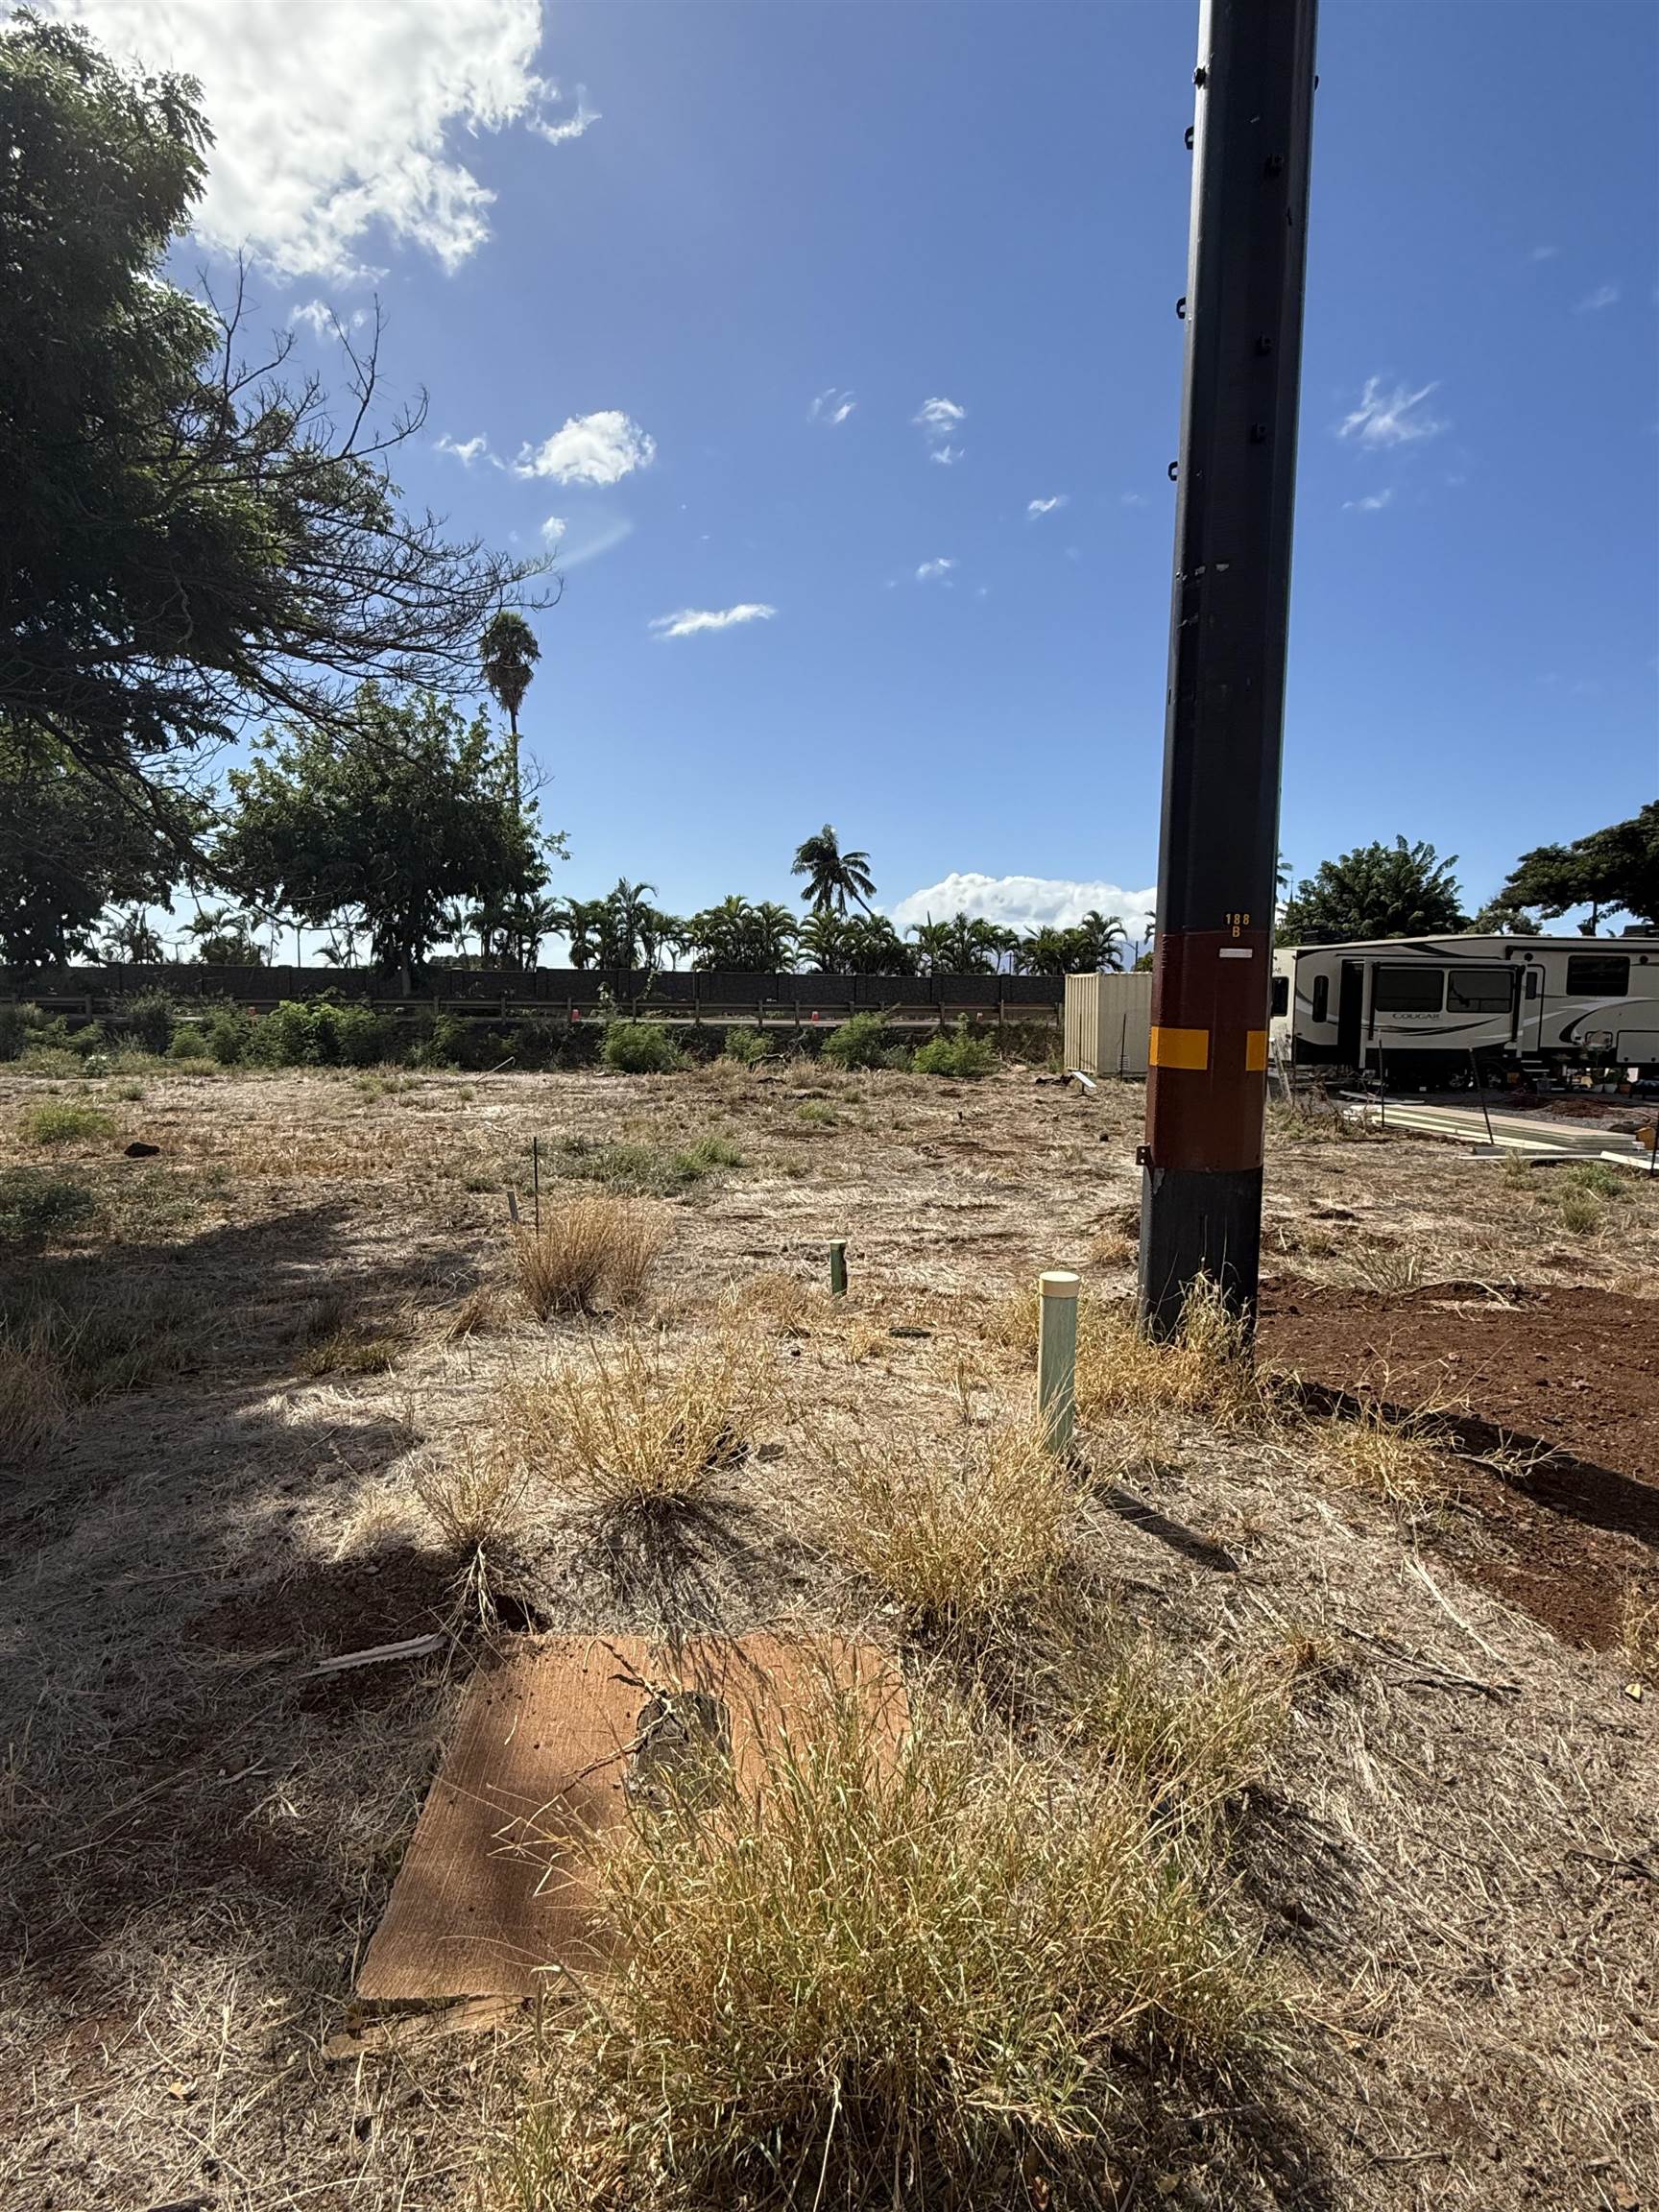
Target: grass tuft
964, 1532
61, 1122
592, 1248
1205, 1368
39, 1208
648, 1170
886, 1974
630, 1430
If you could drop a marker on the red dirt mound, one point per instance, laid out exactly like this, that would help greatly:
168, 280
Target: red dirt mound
1568, 1375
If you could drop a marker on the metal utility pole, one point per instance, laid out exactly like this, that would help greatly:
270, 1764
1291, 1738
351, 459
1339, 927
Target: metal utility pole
1207, 1089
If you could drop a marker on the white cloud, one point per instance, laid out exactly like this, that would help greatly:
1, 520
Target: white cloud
1543, 252
466, 450
335, 125
1390, 418
1593, 303
691, 619
1132, 499
931, 568
1372, 502
831, 406
599, 448
1024, 901
572, 126
1047, 506
553, 529
937, 418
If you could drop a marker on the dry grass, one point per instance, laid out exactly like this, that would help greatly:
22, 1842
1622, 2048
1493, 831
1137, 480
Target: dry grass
1639, 1628
1205, 1368
1191, 1739
1392, 1453
965, 1532
475, 1495
939, 1976
34, 1396
478, 1314
777, 1300
631, 1426
592, 1248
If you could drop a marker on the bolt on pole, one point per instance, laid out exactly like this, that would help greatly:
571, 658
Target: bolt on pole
1206, 1084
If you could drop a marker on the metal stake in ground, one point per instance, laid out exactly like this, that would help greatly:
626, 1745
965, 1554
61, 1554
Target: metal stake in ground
1206, 1090
1057, 1356
838, 1268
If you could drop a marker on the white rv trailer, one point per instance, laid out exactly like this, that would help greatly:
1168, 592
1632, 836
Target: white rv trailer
1423, 1004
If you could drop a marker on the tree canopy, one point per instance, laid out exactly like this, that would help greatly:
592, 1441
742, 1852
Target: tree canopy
391, 818
190, 539
833, 875
1397, 890
1614, 870
71, 845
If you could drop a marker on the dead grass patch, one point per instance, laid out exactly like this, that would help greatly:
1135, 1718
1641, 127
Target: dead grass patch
1392, 1453
964, 1531
630, 1427
935, 1977
595, 1247
1639, 1628
99, 1333
1205, 1368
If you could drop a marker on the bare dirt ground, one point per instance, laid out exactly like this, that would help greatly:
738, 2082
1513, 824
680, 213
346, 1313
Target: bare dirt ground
1451, 1864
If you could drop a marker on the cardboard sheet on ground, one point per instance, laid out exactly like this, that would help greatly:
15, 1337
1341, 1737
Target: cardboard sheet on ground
548, 1743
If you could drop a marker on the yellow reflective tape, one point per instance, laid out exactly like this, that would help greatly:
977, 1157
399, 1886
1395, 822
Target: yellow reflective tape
1255, 1052
1180, 1048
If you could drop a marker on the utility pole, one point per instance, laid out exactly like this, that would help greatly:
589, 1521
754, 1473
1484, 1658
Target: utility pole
1206, 1088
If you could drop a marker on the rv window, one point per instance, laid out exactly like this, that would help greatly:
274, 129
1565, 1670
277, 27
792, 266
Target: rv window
1408, 991
1599, 975
1478, 990
1280, 994
1321, 998
1532, 982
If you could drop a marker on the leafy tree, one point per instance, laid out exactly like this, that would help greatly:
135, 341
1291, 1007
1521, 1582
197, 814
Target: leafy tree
190, 539
627, 916
832, 874
739, 938
1498, 917
967, 945
581, 923
1101, 941
224, 939
1614, 870
132, 936
390, 818
1397, 890
873, 947
509, 652
71, 845
932, 945
823, 939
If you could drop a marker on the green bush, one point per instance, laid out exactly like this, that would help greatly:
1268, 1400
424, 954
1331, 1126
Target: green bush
189, 1042
227, 1035
747, 1046
363, 1037
640, 1049
60, 1124
87, 1040
958, 1053
39, 1208
646, 1169
14, 1032
858, 1043
439, 1041
298, 1033
148, 1019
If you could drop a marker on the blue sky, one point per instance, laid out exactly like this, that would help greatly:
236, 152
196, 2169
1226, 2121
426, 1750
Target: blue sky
706, 217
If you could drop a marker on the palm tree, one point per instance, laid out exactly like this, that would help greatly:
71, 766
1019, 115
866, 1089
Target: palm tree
832, 873
875, 947
772, 933
508, 651
932, 945
581, 923
974, 944
823, 939
626, 909
1103, 937
131, 936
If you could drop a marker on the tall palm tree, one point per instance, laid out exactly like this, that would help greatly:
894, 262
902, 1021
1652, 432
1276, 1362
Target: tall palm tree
508, 652
582, 923
772, 933
626, 909
1104, 939
932, 945
832, 873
